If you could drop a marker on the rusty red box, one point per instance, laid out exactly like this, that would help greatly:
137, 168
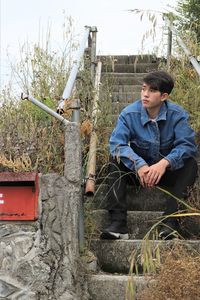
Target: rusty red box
18, 196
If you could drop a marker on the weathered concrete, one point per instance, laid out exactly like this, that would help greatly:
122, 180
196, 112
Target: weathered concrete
116, 287
126, 88
130, 68
139, 222
40, 260
128, 59
123, 78
128, 97
115, 256
142, 200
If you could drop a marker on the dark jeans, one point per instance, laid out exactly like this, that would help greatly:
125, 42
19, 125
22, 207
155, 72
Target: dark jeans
176, 182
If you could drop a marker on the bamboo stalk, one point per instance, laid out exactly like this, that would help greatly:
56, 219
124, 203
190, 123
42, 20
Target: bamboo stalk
91, 176
91, 165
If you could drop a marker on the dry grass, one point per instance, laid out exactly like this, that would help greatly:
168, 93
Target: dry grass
178, 278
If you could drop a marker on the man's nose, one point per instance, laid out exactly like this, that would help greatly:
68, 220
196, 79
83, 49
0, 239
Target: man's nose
146, 93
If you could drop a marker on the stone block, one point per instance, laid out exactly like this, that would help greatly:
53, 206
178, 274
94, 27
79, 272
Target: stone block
115, 256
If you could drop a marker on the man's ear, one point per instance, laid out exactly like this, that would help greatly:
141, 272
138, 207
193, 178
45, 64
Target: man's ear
164, 96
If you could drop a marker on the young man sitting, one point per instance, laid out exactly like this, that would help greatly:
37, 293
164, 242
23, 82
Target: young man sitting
152, 144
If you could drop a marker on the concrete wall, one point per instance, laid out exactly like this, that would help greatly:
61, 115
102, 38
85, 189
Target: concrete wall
40, 260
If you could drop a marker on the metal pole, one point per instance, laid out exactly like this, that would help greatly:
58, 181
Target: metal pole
45, 108
169, 43
81, 230
96, 96
93, 52
70, 82
76, 111
191, 58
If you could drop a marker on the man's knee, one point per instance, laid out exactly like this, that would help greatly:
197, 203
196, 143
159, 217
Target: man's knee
191, 166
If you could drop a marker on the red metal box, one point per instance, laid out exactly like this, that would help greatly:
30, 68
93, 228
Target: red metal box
18, 196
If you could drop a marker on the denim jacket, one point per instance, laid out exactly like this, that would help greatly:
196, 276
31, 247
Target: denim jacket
137, 140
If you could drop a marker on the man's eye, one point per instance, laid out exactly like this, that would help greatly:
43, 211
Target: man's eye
153, 90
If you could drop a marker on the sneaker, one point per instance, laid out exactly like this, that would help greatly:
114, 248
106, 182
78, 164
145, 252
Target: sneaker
169, 231
117, 230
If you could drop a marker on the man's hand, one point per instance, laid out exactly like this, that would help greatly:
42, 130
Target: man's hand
142, 173
155, 173
150, 176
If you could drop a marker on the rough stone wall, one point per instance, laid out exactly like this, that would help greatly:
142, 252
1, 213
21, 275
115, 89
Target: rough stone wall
39, 260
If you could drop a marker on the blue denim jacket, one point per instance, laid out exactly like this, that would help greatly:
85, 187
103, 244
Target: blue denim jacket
137, 140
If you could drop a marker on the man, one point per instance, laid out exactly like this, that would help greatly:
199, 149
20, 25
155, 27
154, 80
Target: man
152, 144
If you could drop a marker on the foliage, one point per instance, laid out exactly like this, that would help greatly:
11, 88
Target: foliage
189, 12
186, 90
28, 133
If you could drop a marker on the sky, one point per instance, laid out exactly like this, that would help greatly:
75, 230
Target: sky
119, 31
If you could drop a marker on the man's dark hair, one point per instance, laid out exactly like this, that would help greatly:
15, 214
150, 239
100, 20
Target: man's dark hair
159, 80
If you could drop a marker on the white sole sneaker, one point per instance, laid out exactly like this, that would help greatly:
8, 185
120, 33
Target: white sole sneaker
114, 236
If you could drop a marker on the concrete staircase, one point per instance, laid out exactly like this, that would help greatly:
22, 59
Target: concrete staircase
112, 280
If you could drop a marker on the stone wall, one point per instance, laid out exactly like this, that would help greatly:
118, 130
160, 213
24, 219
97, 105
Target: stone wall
40, 260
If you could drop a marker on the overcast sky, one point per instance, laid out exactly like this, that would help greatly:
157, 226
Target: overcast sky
119, 31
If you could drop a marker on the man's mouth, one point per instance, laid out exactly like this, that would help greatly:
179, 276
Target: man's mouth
145, 101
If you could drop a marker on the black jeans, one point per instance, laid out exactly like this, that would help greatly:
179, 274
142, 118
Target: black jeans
176, 182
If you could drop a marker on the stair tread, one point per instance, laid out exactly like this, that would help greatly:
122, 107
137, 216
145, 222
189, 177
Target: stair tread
105, 276
123, 74
137, 212
114, 287
113, 255
142, 200
139, 222
138, 241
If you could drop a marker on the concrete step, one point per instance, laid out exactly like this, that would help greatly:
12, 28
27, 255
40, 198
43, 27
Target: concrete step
122, 78
128, 59
139, 222
115, 256
126, 88
127, 97
119, 96
117, 107
141, 199
130, 68
116, 287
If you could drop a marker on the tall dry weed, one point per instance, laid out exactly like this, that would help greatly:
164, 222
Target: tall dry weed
178, 278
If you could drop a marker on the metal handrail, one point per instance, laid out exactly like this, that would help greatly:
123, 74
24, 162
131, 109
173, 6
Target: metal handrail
73, 74
44, 107
191, 57
71, 80
66, 94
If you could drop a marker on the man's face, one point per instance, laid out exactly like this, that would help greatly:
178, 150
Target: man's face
151, 99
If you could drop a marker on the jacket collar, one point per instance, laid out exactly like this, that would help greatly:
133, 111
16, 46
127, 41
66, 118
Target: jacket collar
161, 116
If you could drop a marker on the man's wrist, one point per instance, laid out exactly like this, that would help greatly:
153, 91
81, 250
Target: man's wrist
165, 162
